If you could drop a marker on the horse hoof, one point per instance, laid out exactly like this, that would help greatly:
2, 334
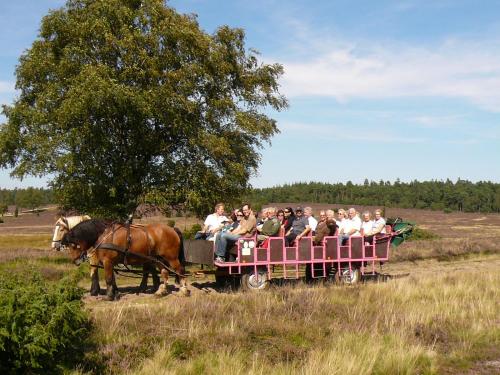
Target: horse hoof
185, 292
108, 298
160, 294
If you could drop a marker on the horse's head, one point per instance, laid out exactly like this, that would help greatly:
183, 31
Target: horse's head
77, 248
60, 230
63, 226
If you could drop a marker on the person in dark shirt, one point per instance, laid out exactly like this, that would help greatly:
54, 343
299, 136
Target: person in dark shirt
289, 218
326, 227
300, 227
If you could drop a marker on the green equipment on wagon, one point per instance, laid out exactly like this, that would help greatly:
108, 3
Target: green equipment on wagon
401, 230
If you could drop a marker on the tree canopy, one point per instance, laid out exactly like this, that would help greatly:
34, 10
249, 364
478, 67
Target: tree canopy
121, 100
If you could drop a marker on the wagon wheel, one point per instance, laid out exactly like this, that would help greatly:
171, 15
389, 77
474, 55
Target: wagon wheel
351, 276
255, 281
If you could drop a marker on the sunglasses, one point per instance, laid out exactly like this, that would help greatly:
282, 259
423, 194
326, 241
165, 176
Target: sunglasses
239, 215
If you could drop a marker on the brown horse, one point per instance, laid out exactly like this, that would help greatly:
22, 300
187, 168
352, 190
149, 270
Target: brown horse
132, 245
65, 224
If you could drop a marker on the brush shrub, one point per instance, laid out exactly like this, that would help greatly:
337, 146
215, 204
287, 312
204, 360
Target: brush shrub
42, 325
420, 234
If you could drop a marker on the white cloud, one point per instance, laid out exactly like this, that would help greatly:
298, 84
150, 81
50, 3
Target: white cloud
7, 87
452, 69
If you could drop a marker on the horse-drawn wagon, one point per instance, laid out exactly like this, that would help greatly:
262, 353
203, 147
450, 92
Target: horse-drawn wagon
255, 265
249, 263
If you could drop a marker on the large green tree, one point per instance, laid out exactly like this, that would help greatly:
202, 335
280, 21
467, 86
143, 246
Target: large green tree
119, 99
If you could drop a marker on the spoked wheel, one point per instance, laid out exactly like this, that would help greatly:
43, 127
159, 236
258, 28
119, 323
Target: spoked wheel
255, 281
350, 276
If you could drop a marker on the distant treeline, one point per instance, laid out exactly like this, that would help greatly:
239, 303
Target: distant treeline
436, 195
448, 196
26, 198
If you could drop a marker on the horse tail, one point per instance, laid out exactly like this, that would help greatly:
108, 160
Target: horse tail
182, 257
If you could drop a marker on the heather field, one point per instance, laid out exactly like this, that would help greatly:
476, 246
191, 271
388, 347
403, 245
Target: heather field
436, 313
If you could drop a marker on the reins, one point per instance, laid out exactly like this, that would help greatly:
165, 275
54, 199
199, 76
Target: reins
118, 249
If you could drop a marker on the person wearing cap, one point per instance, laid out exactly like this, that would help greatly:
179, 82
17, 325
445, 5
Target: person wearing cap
300, 227
213, 224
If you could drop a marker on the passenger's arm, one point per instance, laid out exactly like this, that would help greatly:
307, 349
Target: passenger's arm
378, 229
304, 232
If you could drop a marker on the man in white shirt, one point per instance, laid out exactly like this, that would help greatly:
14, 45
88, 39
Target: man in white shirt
352, 226
213, 224
378, 226
367, 224
313, 223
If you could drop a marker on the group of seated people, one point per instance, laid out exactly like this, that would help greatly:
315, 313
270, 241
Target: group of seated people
287, 223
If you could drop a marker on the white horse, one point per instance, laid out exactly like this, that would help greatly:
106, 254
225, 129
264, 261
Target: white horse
65, 224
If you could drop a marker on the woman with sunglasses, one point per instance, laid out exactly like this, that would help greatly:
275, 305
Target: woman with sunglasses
289, 218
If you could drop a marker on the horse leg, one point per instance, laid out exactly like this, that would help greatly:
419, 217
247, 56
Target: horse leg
179, 269
156, 278
146, 270
110, 283
95, 289
162, 290
144, 281
115, 287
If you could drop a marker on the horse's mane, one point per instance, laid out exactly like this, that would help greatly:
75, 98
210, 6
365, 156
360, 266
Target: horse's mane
88, 231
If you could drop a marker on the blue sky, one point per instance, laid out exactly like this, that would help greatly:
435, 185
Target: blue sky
377, 89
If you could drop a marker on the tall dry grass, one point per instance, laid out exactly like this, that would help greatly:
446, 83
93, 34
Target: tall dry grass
428, 323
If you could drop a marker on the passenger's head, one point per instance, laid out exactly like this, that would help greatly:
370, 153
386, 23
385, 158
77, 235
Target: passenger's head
352, 213
322, 215
330, 214
280, 214
239, 214
265, 212
299, 211
219, 208
288, 212
246, 209
366, 216
271, 212
308, 211
342, 214
378, 214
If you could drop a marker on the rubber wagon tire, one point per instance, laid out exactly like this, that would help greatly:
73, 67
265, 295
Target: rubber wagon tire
255, 282
350, 276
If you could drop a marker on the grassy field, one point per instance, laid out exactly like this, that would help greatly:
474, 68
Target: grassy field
438, 313
444, 318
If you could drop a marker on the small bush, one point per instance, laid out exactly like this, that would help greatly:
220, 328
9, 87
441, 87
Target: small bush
171, 223
419, 234
447, 210
189, 233
42, 325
